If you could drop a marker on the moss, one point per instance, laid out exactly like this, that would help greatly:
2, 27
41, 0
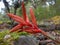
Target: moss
14, 36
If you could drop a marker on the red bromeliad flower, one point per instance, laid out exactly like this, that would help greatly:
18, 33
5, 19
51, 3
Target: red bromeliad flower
26, 25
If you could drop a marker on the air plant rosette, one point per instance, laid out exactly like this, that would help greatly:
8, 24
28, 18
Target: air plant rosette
27, 26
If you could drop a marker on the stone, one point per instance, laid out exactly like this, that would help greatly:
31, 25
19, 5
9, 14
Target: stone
25, 40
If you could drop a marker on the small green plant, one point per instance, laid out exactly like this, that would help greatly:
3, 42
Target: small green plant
14, 36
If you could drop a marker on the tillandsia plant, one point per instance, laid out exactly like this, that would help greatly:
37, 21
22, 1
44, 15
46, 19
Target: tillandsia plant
26, 25
6, 38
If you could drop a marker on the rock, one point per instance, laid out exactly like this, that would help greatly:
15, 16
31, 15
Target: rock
50, 44
57, 27
25, 40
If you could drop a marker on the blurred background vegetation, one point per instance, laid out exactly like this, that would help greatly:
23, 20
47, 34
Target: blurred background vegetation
44, 9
